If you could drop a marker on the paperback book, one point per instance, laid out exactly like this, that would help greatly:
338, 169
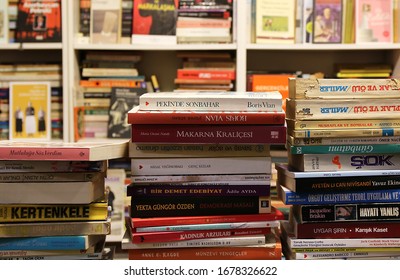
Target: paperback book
327, 25
105, 21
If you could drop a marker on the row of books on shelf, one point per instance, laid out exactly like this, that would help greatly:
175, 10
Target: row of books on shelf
324, 21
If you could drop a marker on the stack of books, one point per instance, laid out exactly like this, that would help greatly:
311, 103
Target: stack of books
53, 200
201, 172
204, 22
342, 177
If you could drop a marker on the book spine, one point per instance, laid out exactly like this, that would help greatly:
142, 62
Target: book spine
208, 253
333, 184
46, 213
45, 243
50, 177
353, 212
256, 179
312, 133
339, 255
55, 229
27, 153
342, 109
343, 162
13, 166
196, 117
219, 226
189, 166
348, 230
206, 242
198, 219
382, 196
151, 150
189, 190
94, 256
198, 205
255, 134
204, 14
344, 88
346, 149
329, 243
342, 124
343, 141
144, 237
109, 83
197, 103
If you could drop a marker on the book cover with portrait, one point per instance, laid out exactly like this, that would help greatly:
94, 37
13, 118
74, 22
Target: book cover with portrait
327, 21
39, 21
30, 111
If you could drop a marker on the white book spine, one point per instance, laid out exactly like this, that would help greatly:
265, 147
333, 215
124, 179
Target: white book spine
344, 141
246, 178
344, 243
267, 102
207, 242
202, 32
181, 166
340, 255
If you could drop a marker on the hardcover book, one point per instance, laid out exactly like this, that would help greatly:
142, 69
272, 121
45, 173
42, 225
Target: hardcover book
212, 101
327, 25
122, 101
275, 21
374, 21
29, 111
105, 21
39, 21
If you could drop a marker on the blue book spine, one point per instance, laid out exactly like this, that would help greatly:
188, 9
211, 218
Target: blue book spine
44, 243
386, 196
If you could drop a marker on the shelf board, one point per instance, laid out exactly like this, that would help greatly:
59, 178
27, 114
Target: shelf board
313, 47
153, 47
31, 46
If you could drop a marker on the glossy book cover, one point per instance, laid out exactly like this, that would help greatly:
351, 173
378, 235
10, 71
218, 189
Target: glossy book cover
327, 24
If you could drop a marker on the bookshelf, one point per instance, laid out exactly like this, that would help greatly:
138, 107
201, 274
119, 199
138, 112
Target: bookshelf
248, 56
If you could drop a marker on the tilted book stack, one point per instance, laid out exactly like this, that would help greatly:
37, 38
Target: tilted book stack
53, 199
201, 173
342, 177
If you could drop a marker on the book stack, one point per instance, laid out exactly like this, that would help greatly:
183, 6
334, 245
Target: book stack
53, 202
201, 173
205, 71
108, 90
19, 74
204, 22
342, 177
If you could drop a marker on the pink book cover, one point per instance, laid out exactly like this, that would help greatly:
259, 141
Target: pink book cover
374, 21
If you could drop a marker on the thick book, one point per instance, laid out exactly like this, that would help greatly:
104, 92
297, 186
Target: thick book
347, 230
148, 150
275, 215
374, 21
212, 101
370, 196
327, 21
22, 166
223, 134
272, 250
377, 212
361, 108
50, 193
55, 228
201, 166
121, 102
230, 179
38, 21
275, 21
19, 213
300, 88
136, 116
170, 236
198, 205
344, 162
77, 242
51, 151
332, 182
210, 189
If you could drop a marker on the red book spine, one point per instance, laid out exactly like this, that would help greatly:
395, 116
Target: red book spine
26, 153
208, 253
348, 230
172, 221
165, 236
206, 74
187, 117
250, 134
